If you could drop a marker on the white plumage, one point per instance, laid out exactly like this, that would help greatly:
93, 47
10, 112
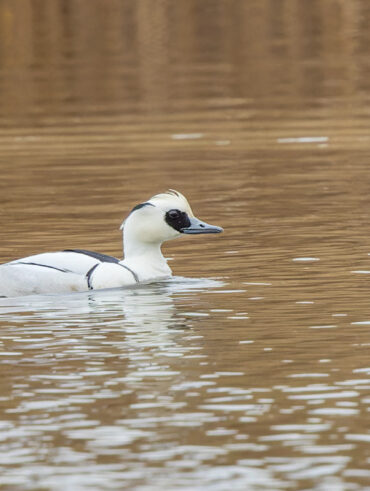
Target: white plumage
163, 217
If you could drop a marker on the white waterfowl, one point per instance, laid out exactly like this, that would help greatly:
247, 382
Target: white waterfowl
163, 217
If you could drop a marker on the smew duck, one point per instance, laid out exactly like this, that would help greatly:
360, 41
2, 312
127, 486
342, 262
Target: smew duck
163, 217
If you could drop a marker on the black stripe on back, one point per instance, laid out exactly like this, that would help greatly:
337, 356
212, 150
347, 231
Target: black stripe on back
104, 258
44, 266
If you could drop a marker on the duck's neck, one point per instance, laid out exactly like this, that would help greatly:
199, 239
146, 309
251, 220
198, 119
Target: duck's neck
146, 259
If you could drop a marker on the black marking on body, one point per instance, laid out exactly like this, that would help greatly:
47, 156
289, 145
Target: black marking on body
44, 266
89, 274
91, 271
177, 219
104, 258
141, 205
136, 278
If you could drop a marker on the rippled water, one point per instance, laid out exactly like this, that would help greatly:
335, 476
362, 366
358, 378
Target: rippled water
250, 368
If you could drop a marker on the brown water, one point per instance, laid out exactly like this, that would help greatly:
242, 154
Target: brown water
250, 369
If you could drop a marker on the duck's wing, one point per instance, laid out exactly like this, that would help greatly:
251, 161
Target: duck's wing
76, 261
19, 279
51, 272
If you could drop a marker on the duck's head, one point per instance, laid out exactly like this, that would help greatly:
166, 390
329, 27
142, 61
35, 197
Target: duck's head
163, 217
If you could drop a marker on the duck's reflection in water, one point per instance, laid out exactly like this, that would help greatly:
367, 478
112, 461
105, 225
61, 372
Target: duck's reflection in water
95, 371
144, 302
72, 333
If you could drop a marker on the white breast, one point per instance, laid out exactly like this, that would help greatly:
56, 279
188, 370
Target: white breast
111, 275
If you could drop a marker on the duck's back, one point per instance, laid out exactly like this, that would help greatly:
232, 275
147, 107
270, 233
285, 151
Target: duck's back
72, 260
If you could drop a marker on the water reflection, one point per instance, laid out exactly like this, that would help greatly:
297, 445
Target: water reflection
134, 376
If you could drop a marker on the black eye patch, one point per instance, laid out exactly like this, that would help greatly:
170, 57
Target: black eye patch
177, 219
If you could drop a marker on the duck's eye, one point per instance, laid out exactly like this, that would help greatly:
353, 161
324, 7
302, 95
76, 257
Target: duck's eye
177, 219
174, 214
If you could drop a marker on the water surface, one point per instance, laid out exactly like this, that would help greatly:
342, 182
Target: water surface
251, 367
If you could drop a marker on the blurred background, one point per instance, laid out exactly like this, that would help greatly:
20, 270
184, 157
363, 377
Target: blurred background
103, 104
259, 112
126, 57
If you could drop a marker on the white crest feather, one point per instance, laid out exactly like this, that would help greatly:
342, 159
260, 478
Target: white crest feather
172, 195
